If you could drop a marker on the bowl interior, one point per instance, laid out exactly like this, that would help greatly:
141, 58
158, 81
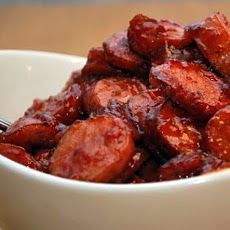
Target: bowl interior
26, 75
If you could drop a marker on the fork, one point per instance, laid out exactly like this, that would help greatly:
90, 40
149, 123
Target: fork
4, 124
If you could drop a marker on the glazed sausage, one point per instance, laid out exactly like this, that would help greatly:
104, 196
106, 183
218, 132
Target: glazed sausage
217, 133
118, 53
121, 89
143, 107
39, 130
146, 35
198, 91
97, 150
213, 39
97, 64
176, 132
143, 33
19, 154
65, 107
180, 166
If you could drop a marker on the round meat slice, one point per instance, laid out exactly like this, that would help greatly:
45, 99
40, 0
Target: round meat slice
181, 166
96, 150
143, 33
118, 53
121, 89
213, 39
65, 106
147, 35
217, 134
96, 64
37, 131
176, 132
197, 90
19, 154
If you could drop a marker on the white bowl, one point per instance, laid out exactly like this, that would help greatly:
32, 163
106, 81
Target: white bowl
33, 200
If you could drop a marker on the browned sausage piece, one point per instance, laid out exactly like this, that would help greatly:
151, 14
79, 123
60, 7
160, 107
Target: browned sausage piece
19, 154
96, 64
217, 134
176, 132
198, 91
213, 38
121, 89
181, 166
147, 35
175, 34
40, 130
65, 106
118, 53
142, 107
97, 150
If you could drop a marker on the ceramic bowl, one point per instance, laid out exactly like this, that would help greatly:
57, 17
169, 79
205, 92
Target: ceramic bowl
36, 201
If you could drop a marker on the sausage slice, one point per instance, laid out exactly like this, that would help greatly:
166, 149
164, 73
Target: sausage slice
95, 150
118, 53
19, 154
217, 134
213, 39
121, 89
176, 132
198, 91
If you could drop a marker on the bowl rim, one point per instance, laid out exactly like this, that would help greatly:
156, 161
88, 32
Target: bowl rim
51, 180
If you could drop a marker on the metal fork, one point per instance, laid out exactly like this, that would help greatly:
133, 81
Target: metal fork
4, 124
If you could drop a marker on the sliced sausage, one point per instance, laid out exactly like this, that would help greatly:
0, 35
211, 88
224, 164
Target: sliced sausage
217, 134
19, 154
97, 64
118, 53
147, 35
121, 89
175, 131
213, 39
181, 166
65, 107
40, 130
96, 150
198, 91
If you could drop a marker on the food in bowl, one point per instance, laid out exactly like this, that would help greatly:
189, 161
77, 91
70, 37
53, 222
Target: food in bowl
151, 104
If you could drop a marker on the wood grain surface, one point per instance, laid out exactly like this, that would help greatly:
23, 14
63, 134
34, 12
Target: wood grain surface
74, 29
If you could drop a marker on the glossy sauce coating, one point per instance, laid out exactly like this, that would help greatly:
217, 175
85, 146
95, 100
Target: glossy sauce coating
118, 53
95, 150
217, 134
40, 130
107, 89
65, 107
196, 90
213, 39
177, 132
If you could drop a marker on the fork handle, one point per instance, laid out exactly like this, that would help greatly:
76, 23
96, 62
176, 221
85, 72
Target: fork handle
4, 124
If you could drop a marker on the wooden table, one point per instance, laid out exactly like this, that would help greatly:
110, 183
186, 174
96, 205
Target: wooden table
74, 29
